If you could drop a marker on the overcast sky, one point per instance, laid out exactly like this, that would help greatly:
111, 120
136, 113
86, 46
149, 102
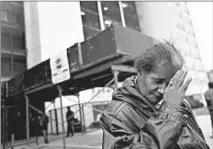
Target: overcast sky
201, 15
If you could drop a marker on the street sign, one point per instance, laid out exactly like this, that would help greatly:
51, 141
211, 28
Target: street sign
60, 67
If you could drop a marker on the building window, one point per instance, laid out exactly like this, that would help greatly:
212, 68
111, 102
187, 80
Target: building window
5, 15
17, 19
13, 18
19, 63
17, 2
90, 18
5, 40
20, 19
130, 15
18, 41
5, 64
111, 13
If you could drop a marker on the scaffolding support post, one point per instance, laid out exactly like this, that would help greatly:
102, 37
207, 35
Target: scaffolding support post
84, 127
51, 124
62, 116
27, 119
56, 118
12, 141
116, 69
116, 73
80, 112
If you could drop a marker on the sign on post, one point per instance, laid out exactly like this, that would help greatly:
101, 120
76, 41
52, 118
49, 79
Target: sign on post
60, 67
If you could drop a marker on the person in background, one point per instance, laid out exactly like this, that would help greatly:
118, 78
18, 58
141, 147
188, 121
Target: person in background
133, 119
70, 122
43, 121
209, 100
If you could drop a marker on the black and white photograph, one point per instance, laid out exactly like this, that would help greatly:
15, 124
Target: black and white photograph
106, 75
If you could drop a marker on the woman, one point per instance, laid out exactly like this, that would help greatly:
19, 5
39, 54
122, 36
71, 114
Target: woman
134, 119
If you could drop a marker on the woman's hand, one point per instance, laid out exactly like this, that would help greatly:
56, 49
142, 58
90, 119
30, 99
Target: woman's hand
176, 88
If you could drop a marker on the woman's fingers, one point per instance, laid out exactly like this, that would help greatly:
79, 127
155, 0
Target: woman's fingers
181, 78
173, 79
178, 78
186, 85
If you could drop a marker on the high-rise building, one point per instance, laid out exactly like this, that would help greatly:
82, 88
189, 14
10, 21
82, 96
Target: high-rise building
50, 27
13, 50
186, 42
171, 21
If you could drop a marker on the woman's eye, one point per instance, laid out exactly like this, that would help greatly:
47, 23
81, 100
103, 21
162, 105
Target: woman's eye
158, 81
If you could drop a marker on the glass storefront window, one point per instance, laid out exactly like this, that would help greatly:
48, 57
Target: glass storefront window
111, 13
89, 5
90, 18
88, 32
130, 15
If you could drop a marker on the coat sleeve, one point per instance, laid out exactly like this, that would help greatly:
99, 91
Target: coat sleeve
159, 132
192, 135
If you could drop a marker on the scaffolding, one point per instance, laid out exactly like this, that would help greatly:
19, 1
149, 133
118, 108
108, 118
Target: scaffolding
34, 86
117, 72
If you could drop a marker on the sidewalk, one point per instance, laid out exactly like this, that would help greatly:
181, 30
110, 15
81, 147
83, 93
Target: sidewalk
205, 124
90, 140
93, 139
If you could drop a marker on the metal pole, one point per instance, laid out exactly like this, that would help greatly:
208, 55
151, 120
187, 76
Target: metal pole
122, 14
56, 118
115, 73
6, 123
62, 117
51, 122
4, 127
80, 112
12, 141
101, 18
27, 119
84, 118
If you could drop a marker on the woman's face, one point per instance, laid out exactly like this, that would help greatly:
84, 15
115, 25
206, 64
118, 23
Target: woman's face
153, 84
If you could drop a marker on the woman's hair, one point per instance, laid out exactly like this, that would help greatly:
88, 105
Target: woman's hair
166, 51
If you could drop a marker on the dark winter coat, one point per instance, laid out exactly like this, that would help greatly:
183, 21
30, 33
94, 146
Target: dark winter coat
131, 122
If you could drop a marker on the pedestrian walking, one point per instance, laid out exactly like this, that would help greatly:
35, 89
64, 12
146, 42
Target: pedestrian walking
43, 121
133, 119
209, 100
70, 122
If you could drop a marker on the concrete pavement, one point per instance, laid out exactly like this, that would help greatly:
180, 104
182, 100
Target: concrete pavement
93, 139
89, 140
204, 122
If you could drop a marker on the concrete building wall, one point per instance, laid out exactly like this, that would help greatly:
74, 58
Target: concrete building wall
50, 28
155, 19
163, 20
32, 33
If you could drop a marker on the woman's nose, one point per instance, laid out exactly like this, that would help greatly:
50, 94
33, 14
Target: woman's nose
161, 90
